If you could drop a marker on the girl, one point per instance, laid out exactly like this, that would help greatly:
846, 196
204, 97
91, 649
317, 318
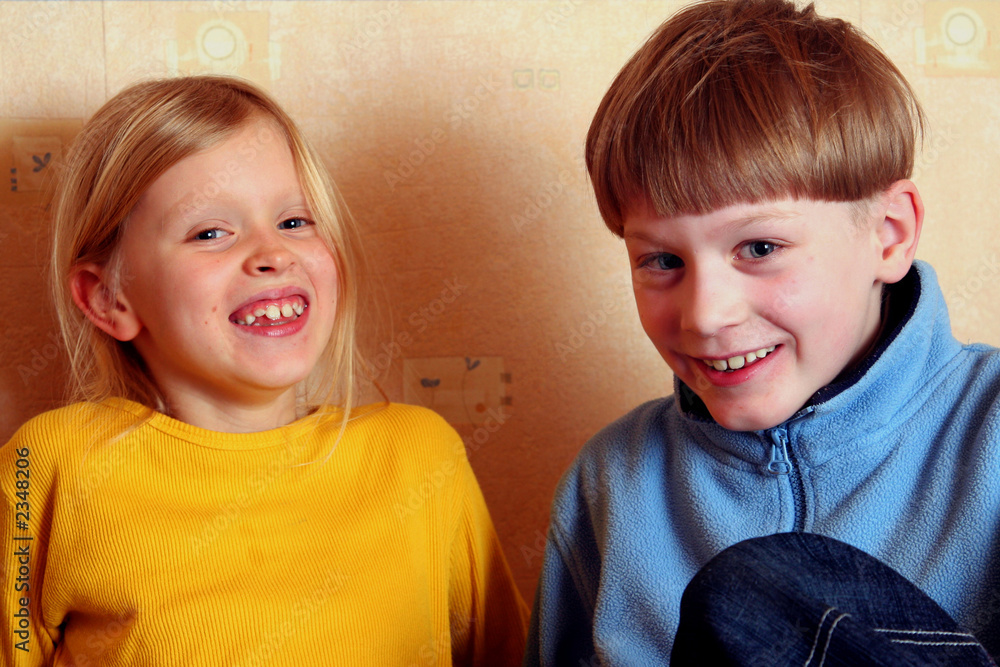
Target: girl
203, 504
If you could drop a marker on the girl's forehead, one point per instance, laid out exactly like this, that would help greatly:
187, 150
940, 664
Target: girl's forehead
253, 164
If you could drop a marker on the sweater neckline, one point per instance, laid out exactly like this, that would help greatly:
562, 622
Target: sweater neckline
324, 418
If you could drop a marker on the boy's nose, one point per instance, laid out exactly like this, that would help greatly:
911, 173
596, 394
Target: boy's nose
711, 304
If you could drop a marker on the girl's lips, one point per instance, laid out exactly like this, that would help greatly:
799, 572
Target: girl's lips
283, 326
267, 311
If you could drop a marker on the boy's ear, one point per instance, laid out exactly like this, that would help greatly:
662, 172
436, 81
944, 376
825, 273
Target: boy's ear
109, 312
899, 230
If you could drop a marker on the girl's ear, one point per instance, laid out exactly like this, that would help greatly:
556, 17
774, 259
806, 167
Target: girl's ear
111, 313
899, 230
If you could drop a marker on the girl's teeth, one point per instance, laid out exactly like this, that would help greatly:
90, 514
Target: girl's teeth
739, 361
273, 312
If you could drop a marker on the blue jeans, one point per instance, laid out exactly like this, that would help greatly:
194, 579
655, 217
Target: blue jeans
802, 599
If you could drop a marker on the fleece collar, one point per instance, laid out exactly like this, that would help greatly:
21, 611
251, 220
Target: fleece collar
916, 345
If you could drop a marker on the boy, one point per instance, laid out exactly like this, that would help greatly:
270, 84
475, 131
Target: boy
755, 159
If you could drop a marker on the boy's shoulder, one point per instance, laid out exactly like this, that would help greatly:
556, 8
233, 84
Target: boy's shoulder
639, 426
628, 443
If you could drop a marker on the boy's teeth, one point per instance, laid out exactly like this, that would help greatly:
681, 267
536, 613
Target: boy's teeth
739, 361
273, 312
250, 319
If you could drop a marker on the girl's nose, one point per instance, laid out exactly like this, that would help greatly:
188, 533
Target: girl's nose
269, 256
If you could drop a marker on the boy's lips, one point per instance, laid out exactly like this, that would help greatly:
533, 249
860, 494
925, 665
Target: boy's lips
738, 361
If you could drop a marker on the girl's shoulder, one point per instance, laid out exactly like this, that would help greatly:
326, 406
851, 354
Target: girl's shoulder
403, 430
401, 421
61, 439
70, 422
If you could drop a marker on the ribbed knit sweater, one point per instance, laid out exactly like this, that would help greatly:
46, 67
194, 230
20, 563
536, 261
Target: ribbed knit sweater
174, 545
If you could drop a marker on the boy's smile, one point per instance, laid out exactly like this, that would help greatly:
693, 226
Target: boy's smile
756, 307
231, 288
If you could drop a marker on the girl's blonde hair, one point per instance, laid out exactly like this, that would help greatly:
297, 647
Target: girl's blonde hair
133, 139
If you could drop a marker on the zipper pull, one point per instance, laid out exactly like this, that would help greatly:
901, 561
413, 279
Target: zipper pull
779, 463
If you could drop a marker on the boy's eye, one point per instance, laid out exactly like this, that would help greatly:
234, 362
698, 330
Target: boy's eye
210, 234
294, 223
664, 262
757, 249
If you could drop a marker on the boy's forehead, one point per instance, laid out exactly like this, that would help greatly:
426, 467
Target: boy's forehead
738, 214
644, 221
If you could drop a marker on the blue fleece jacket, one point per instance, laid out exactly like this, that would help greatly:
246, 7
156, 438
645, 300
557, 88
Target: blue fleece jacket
900, 459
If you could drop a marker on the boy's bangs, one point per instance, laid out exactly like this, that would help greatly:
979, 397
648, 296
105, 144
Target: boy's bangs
750, 107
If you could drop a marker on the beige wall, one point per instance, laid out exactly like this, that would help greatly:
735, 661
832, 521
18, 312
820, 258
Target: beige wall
455, 131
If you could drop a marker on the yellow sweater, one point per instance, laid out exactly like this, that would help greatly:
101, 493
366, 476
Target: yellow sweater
173, 545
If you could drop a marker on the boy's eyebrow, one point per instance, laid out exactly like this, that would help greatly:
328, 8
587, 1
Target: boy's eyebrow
755, 218
758, 217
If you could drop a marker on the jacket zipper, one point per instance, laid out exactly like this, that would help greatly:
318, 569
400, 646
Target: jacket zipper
783, 463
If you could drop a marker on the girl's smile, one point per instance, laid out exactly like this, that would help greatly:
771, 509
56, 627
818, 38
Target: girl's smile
229, 290
272, 316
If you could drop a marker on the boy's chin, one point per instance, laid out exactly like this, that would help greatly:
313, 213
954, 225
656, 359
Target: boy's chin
749, 420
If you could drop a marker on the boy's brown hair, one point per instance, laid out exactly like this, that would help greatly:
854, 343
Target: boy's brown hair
743, 101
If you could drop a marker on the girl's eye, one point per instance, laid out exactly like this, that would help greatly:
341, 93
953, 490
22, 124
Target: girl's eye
210, 234
663, 261
757, 249
294, 223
